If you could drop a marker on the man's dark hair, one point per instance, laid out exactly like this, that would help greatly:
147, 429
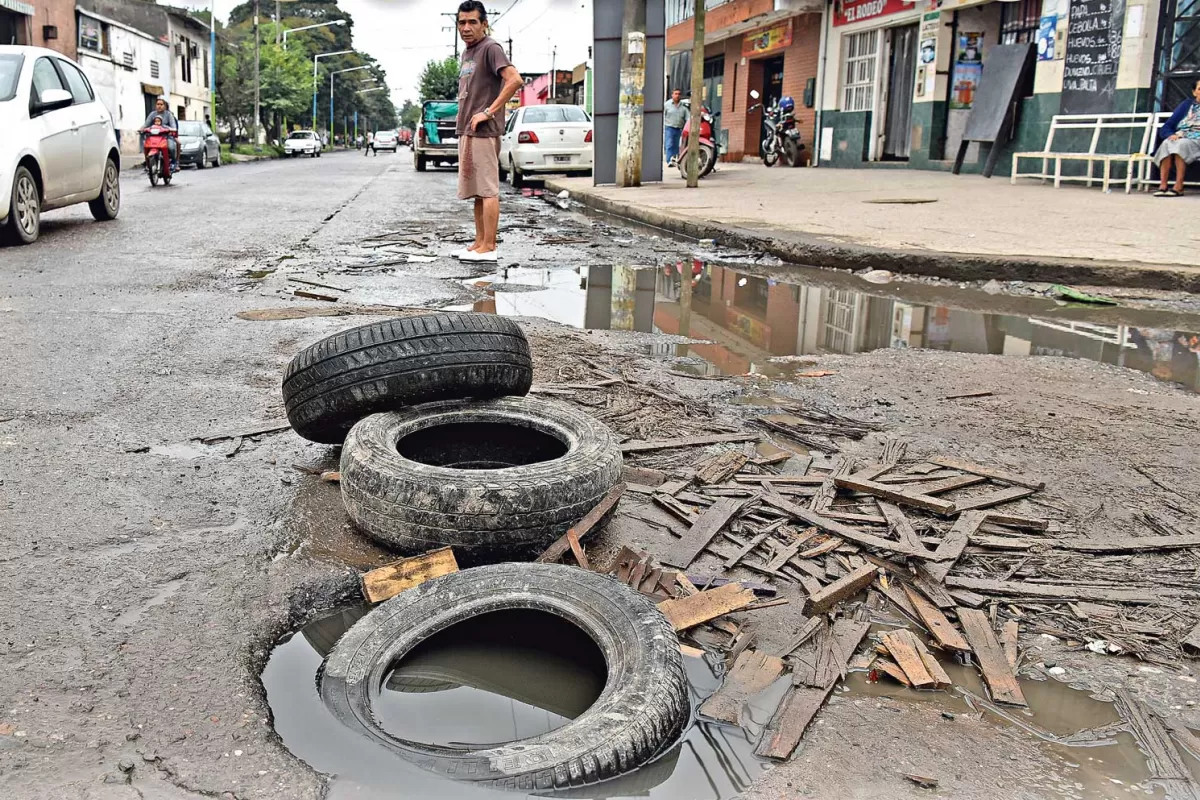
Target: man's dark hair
467, 6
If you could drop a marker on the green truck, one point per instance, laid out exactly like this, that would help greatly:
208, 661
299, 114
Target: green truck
436, 139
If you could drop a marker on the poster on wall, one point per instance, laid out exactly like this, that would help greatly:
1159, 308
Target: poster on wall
767, 40
1047, 28
968, 69
1094, 37
929, 32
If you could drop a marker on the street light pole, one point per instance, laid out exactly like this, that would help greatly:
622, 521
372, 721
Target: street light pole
309, 28
254, 127
331, 74
212, 63
316, 57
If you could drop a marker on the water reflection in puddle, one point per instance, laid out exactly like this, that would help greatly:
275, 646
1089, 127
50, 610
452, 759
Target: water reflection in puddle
475, 692
758, 323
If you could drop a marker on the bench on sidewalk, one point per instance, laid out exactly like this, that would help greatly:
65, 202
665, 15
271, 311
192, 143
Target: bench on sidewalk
1142, 127
1147, 180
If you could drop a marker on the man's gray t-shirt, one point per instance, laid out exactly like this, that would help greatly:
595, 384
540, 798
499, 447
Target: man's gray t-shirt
479, 85
675, 114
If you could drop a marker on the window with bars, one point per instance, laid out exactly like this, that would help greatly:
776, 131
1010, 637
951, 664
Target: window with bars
153, 69
862, 51
1019, 21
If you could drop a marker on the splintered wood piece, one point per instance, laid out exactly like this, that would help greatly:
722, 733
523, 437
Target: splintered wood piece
674, 487
942, 630
624, 563
902, 646
995, 498
785, 554
591, 521
836, 528
649, 583
1015, 521
688, 441
897, 495
932, 588
686, 584
940, 679
988, 472
1129, 544
752, 672
900, 526
999, 676
1191, 642
963, 597
1052, 591
742, 552
643, 475
706, 528
805, 633
391, 579
674, 507
892, 670
639, 572
943, 559
900, 600
577, 549
720, 468
782, 480
1164, 760
1009, 636
839, 590
824, 659
825, 496
946, 484
695, 609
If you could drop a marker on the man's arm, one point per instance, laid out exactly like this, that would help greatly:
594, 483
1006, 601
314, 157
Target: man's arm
512, 82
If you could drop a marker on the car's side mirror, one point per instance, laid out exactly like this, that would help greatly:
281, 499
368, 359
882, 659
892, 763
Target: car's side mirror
51, 99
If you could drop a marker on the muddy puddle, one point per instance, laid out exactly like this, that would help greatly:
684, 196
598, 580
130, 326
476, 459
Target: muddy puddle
518, 674
757, 322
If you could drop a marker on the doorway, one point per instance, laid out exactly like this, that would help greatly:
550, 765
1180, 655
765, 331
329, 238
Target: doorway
772, 91
902, 68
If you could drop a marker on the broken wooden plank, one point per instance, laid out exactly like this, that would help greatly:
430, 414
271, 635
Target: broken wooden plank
892, 670
942, 630
328, 298
643, 476
1129, 544
902, 645
391, 579
814, 519
997, 674
940, 679
687, 441
1165, 763
720, 468
1009, 635
1017, 521
577, 549
946, 484
1052, 591
824, 660
897, 495
931, 587
825, 495
752, 672
925, 781
994, 498
805, 633
260, 429
947, 553
841, 589
900, 526
674, 486
1191, 642
705, 529
966, 598
591, 521
704, 606
675, 508
988, 472
747, 549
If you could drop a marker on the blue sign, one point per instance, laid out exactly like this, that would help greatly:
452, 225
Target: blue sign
1046, 36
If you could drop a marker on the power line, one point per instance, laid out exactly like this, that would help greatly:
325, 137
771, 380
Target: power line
539, 16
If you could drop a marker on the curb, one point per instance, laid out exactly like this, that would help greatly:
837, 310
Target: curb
800, 248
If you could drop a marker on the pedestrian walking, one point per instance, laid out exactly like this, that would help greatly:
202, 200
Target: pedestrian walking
486, 82
675, 115
369, 147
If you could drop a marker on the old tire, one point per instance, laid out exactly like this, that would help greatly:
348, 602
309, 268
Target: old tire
639, 714
498, 480
334, 383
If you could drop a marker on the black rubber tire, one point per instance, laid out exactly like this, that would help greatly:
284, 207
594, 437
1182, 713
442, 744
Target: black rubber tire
106, 207
334, 383
518, 177
640, 713
420, 162
12, 232
486, 515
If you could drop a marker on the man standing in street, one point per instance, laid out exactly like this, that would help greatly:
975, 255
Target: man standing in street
675, 115
486, 82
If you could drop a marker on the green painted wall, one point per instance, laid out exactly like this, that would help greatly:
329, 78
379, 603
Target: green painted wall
851, 135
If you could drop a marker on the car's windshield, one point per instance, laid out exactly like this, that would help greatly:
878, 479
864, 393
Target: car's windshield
190, 128
554, 114
302, 135
10, 68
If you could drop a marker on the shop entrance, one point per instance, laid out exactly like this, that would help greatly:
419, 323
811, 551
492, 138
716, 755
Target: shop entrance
12, 25
772, 90
897, 137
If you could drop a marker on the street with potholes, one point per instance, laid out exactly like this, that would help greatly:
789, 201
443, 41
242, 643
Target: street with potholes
164, 530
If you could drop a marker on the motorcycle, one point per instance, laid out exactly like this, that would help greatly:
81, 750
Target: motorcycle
782, 139
157, 151
708, 146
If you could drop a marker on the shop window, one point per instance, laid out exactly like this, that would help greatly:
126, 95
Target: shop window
91, 35
862, 51
1019, 21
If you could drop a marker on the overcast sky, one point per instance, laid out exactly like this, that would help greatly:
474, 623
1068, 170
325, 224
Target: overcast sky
404, 34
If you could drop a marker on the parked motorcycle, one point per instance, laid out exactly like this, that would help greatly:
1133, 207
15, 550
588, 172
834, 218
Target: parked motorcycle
782, 139
708, 145
157, 151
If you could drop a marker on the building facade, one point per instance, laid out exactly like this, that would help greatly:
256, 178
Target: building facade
42, 23
768, 46
191, 80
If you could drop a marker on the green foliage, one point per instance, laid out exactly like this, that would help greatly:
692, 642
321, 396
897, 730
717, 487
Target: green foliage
410, 115
285, 81
439, 80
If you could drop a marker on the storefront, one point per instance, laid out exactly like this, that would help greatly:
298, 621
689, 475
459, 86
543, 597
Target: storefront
15, 19
901, 77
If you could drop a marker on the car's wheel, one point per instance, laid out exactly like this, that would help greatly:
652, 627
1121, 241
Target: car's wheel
108, 204
201, 163
217, 161
24, 210
420, 163
518, 179
334, 383
639, 714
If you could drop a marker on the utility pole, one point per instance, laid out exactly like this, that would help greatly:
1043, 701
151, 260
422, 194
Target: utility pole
453, 30
257, 84
510, 47
693, 151
632, 106
553, 76
278, 23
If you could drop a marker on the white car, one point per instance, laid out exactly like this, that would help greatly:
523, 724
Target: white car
57, 143
302, 143
542, 139
387, 140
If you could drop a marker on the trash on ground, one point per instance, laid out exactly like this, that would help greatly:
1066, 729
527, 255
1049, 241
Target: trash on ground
1074, 295
391, 579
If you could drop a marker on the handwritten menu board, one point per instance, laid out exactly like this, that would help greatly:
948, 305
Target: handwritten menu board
1093, 54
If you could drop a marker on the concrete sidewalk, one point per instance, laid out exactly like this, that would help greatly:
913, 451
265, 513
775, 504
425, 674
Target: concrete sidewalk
960, 227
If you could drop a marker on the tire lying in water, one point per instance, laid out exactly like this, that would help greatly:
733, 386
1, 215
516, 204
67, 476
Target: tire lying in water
497, 480
640, 713
334, 383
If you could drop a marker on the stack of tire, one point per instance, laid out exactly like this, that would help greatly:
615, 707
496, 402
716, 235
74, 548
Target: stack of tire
441, 447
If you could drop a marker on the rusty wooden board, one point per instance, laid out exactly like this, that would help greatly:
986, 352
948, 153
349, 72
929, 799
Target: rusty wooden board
892, 670
997, 674
720, 468
391, 579
591, 521
902, 645
703, 606
752, 672
841, 589
705, 529
941, 628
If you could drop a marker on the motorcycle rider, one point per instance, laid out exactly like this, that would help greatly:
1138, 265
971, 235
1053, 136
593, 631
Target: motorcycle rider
165, 120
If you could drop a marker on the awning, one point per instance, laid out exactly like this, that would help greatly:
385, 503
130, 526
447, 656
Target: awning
17, 6
148, 88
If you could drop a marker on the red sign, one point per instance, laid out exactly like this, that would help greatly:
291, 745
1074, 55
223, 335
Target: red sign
846, 12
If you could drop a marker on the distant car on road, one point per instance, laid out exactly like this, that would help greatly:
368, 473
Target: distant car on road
436, 136
302, 143
57, 143
387, 140
198, 145
546, 139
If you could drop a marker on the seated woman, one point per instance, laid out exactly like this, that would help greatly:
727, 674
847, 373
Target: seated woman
1181, 144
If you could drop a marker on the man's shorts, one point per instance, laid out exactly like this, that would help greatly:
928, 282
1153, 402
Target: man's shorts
478, 167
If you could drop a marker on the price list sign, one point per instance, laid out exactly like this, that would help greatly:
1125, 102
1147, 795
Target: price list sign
1093, 54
